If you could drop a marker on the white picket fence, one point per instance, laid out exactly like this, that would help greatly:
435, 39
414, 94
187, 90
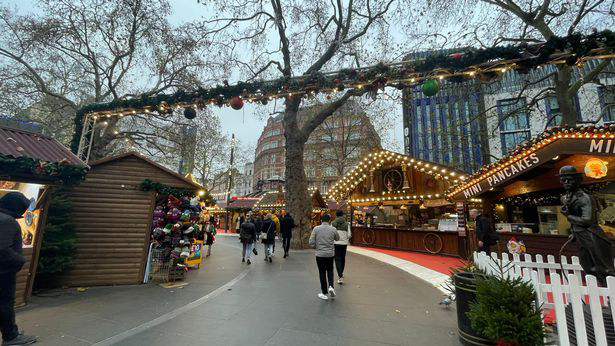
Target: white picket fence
552, 292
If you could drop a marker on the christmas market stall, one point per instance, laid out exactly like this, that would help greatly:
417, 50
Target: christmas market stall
126, 202
522, 191
398, 202
32, 164
275, 203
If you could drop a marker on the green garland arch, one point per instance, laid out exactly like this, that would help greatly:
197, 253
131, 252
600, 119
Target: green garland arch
66, 173
525, 57
148, 185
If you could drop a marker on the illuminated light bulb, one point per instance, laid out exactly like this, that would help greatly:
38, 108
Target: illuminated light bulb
441, 77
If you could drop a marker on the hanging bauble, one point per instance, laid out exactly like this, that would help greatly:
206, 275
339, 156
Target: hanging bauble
431, 87
456, 56
189, 113
341, 87
264, 101
236, 103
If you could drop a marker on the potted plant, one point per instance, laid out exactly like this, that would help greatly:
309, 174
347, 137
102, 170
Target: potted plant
505, 312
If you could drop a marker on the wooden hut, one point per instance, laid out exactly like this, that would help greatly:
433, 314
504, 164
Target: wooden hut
113, 219
398, 202
31, 163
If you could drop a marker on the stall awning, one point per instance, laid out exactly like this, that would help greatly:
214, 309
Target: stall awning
18, 143
242, 204
545, 150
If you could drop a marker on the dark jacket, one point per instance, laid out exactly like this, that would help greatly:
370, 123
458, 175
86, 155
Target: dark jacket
269, 227
485, 231
247, 233
11, 255
286, 226
259, 225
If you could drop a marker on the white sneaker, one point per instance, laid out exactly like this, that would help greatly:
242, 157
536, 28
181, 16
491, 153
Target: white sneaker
331, 292
322, 296
340, 281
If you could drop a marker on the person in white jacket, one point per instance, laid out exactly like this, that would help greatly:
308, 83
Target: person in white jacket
343, 229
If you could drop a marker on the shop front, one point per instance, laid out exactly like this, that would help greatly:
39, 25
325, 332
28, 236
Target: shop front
398, 202
33, 164
521, 192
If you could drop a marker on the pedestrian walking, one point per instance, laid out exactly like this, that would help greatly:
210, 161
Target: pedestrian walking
210, 232
247, 235
286, 228
485, 231
343, 230
268, 237
322, 239
12, 206
276, 221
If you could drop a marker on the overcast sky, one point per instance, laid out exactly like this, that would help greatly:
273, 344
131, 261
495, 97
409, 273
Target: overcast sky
248, 122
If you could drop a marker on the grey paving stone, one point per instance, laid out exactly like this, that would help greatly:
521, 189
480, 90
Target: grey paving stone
286, 337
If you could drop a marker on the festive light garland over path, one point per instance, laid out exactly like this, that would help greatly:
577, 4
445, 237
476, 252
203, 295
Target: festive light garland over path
485, 64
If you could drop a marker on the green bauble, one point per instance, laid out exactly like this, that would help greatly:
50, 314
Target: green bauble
431, 87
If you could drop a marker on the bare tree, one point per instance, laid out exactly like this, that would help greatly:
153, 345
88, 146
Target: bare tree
85, 51
306, 36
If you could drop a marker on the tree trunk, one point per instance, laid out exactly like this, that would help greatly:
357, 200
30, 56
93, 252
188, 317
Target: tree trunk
297, 199
564, 99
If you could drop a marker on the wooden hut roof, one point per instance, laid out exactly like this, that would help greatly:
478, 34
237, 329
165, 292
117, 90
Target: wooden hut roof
382, 158
134, 154
542, 150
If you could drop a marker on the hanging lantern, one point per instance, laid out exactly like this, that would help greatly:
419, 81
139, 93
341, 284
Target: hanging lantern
236, 103
431, 87
189, 113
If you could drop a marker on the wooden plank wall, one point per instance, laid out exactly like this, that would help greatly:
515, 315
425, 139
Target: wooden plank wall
22, 279
113, 220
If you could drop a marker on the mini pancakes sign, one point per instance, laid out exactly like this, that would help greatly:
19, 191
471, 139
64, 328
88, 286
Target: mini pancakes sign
599, 142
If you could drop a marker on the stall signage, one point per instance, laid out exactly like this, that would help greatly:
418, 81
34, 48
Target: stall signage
561, 146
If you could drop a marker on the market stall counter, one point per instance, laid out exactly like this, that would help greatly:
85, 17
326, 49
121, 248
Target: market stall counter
397, 202
522, 190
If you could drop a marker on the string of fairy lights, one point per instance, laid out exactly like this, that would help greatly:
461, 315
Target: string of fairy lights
523, 151
377, 160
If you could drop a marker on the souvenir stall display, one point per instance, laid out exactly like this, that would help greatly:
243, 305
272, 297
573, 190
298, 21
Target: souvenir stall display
522, 191
398, 202
174, 235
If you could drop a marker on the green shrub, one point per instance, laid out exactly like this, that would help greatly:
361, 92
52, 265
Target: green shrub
504, 311
58, 245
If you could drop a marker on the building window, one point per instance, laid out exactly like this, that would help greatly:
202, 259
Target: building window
324, 187
514, 123
310, 172
554, 115
272, 159
607, 102
330, 171
354, 136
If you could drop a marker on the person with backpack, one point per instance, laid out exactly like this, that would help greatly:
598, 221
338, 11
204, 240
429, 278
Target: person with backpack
268, 237
341, 245
247, 236
12, 207
322, 239
286, 229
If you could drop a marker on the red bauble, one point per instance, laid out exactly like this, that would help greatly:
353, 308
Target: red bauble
336, 81
456, 56
236, 102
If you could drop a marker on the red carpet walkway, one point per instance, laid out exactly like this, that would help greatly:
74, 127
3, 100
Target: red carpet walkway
442, 264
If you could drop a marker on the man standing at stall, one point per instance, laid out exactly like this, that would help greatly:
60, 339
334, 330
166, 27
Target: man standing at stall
12, 206
485, 231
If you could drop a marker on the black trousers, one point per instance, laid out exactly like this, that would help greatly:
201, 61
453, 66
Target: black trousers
325, 271
7, 306
340, 259
486, 248
286, 244
595, 255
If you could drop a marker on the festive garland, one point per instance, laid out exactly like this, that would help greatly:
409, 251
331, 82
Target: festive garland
550, 197
148, 185
574, 47
63, 171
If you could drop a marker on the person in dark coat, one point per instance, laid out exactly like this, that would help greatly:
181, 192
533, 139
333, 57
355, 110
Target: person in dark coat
12, 206
210, 232
247, 235
268, 237
485, 231
286, 228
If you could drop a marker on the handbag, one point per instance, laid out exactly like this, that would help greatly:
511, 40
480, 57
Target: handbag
264, 234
